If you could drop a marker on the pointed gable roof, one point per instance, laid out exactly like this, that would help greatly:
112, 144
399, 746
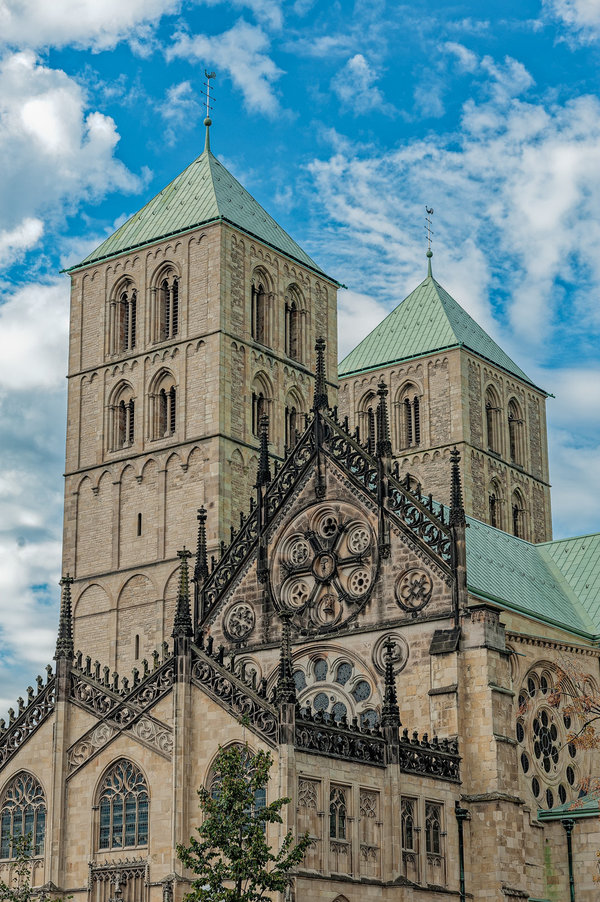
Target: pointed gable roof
428, 320
204, 192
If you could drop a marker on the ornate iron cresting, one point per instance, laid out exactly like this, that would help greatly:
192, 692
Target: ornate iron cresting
437, 758
30, 715
409, 507
239, 698
276, 495
321, 735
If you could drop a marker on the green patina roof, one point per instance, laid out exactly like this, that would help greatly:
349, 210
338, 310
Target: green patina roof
546, 581
586, 806
204, 192
428, 320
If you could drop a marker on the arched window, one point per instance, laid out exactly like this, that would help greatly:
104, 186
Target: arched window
408, 417
433, 828
166, 306
367, 419
515, 432
214, 780
122, 419
337, 813
518, 514
294, 418
123, 318
492, 420
294, 318
163, 406
262, 394
260, 330
22, 812
409, 825
123, 806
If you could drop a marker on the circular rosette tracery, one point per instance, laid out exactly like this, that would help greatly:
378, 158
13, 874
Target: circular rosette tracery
324, 566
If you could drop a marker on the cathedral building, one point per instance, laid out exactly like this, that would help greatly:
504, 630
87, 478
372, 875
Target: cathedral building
352, 569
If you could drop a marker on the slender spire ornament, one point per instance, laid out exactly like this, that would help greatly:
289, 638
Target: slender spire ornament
201, 567
182, 624
286, 687
264, 473
390, 712
428, 229
457, 510
384, 444
64, 642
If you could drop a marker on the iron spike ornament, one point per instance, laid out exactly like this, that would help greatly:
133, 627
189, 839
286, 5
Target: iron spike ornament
321, 401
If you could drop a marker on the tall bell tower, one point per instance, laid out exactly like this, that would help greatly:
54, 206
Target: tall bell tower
197, 316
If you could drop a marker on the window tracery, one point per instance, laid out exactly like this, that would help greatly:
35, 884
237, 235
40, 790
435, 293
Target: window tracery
163, 406
294, 323
260, 319
324, 566
22, 812
337, 687
123, 318
337, 813
550, 764
123, 807
492, 420
214, 782
515, 432
166, 305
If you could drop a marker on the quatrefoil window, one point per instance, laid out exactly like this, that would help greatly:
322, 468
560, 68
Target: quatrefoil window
324, 566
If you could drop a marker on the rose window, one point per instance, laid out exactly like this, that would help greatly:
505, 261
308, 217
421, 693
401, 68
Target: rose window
551, 765
324, 566
336, 687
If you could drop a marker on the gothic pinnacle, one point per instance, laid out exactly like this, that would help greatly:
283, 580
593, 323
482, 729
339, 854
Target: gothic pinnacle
384, 445
390, 713
321, 401
182, 624
64, 642
286, 687
201, 566
457, 511
264, 474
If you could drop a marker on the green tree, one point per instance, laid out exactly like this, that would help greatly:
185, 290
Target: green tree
231, 856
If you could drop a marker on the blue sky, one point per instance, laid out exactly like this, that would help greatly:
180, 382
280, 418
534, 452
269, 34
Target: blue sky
343, 119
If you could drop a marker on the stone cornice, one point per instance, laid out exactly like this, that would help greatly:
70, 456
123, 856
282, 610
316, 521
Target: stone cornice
559, 645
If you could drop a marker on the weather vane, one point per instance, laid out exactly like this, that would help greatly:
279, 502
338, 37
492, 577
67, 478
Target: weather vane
428, 229
208, 76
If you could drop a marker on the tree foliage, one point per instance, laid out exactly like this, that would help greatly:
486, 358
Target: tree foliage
19, 889
231, 856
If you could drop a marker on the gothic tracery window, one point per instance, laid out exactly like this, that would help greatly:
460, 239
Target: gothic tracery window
259, 310
337, 813
260, 794
433, 828
123, 319
492, 420
294, 314
408, 810
22, 812
123, 807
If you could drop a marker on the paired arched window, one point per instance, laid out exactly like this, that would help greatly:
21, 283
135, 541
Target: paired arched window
122, 418
515, 432
163, 406
294, 320
165, 304
294, 419
123, 319
123, 807
22, 812
259, 312
492, 420
367, 420
408, 417
262, 395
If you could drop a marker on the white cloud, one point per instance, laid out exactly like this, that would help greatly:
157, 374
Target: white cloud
355, 85
84, 23
241, 52
25, 235
54, 152
519, 181
358, 314
180, 109
266, 11
580, 17
34, 326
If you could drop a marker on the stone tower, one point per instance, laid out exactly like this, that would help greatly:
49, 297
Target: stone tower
196, 317
451, 384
